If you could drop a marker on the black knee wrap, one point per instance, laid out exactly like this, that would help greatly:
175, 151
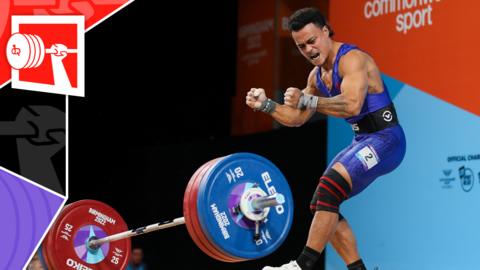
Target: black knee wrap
331, 191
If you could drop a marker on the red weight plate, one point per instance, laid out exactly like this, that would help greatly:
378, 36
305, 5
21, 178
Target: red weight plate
193, 225
66, 245
195, 234
201, 180
48, 238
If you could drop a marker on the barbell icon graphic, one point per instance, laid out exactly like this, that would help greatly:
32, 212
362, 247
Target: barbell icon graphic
28, 51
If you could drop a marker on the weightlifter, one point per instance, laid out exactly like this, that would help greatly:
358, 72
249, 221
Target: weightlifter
345, 82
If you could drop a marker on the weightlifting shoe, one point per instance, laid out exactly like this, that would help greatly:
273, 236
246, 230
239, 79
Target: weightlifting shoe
292, 265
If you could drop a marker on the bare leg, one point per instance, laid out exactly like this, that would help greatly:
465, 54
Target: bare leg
324, 223
343, 239
322, 229
344, 243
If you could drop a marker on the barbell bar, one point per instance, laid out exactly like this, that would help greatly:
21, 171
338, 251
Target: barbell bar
258, 205
236, 208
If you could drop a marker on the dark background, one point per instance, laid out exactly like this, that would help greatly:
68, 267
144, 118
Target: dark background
12, 104
159, 83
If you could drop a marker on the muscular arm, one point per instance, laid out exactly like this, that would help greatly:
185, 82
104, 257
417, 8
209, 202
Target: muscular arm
293, 117
353, 88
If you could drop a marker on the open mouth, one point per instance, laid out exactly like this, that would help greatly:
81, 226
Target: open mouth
315, 56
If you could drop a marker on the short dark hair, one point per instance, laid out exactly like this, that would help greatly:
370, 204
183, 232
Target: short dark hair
304, 16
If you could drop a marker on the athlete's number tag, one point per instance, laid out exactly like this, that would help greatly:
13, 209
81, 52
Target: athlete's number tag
368, 156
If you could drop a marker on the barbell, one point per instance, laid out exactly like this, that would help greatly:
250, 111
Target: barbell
28, 51
236, 208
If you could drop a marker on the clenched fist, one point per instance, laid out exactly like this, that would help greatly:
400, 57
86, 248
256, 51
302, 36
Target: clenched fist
292, 96
255, 97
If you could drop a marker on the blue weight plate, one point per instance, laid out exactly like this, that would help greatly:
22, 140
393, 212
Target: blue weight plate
222, 187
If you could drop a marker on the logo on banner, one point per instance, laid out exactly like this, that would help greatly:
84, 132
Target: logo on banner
466, 178
46, 54
447, 179
410, 13
466, 171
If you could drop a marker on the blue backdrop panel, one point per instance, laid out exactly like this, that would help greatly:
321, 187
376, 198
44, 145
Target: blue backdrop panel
425, 214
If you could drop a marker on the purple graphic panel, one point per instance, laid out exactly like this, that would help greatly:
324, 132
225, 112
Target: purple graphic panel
26, 210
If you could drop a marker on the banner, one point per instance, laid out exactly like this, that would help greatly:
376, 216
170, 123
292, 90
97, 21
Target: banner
255, 62
267, 57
